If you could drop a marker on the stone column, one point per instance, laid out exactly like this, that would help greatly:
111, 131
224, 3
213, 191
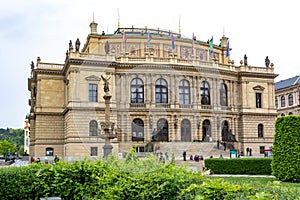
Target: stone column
107, 148
193, 91
146, 89
170, 90
120, 88
197, 88
126, 90
152, 90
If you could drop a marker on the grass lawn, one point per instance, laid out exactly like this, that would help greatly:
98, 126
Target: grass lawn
261, 180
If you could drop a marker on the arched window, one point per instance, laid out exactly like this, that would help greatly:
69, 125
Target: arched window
291, 100
137, 91
282, 101
276, 102
225, 131
290, 113
184, 92
162, 133
49, 151
223, 94
260, 130
186, 135
137, 129
93, 128
161, 91
205, 93
206, 130
282, 114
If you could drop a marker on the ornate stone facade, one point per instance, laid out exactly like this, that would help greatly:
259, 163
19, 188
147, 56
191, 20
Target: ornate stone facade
165, 95
287, 96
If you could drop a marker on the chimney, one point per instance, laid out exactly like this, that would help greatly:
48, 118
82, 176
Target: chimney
224, 41
93, 26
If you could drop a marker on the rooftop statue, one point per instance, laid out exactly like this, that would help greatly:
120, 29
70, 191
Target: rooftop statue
267, 61
245, 60
77, 45
107, 47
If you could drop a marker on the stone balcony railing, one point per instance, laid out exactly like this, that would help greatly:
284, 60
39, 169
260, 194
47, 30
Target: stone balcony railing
51, 66
171, 59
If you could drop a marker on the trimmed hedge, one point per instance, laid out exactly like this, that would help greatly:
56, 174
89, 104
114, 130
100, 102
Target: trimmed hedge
132, 179
110, 179
257, 166
286, 149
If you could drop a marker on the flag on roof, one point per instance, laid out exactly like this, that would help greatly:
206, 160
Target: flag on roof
227, 49
124, 39
211, 45
173, 42
193, 39
149, 39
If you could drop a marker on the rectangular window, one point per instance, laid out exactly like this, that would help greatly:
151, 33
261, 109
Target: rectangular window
93, 93
258, 100
141, 149
262, 149
94, 151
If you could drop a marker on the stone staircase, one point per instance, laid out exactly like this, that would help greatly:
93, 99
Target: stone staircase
206, 149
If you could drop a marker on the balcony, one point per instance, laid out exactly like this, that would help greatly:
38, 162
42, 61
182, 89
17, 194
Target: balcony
206, 107
137, 105
162, 105
188, 106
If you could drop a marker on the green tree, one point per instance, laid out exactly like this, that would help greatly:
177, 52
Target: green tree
286, 149
15, 136
5, 146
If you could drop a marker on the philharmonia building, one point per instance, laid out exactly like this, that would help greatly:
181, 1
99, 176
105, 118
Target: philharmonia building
165, 89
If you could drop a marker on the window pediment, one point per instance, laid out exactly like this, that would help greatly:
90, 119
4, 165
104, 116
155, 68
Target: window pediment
259, 88
92, 78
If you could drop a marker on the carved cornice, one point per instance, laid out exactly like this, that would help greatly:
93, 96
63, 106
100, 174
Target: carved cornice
258, 87
47, 71
92, 78
258, 75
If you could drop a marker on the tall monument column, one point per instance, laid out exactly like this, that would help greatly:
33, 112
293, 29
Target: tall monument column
108, 127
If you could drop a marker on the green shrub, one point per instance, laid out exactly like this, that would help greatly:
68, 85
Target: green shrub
16, 182
286, 150
132, 179
220, 189
257, 166
107, 179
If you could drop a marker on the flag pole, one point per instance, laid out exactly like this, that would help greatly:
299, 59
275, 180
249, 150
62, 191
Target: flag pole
118, 19
193, 50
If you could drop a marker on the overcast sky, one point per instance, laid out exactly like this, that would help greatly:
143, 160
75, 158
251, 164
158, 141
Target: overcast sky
33, 28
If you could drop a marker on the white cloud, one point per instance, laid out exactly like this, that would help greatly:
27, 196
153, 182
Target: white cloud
43, 28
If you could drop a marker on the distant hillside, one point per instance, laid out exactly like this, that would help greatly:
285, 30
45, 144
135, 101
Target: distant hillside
15, 136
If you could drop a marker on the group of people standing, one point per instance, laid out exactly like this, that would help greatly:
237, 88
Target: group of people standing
46, 161
249, 151
221, 143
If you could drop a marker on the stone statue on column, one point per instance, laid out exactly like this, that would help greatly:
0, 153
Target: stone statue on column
70, 46
77, 45
107, 47
245, 60
106, 83
267, 61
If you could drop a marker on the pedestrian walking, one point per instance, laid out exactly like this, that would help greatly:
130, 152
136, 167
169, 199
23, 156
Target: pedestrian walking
167, 155
184, 155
